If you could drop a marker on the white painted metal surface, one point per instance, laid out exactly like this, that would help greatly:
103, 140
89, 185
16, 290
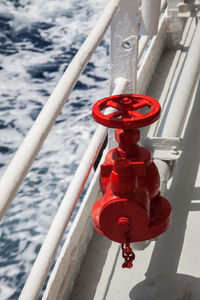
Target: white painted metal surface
175, 68
150, 16
28, 151
124, 44
184, 90
145, 39
172, 4
167, 149
152, 56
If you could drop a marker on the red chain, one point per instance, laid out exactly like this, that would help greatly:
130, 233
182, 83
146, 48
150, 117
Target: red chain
128, 255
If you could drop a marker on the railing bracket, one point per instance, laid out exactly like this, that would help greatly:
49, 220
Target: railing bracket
188, 10
168, 149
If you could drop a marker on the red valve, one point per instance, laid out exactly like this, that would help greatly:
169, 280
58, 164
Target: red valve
126, 114
131, 209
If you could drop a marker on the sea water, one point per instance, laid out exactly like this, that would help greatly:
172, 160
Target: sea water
38, 39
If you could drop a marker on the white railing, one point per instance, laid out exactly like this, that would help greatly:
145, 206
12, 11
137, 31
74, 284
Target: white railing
23, 159
28, 151
26, 154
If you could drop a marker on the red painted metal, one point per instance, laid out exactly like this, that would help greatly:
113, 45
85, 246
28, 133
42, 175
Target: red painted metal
126, 114
131, 209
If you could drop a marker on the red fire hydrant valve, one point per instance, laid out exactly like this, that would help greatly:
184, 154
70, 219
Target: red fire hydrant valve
131, 208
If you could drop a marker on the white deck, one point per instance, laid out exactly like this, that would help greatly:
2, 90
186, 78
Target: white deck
170, 267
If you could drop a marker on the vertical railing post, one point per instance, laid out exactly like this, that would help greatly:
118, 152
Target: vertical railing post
124, 44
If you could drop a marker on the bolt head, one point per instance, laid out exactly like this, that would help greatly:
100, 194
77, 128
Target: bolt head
174, 150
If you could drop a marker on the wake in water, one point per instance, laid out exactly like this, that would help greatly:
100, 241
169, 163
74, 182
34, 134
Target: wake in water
38, 40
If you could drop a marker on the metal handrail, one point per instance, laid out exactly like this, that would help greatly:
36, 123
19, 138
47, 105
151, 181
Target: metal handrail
26, 154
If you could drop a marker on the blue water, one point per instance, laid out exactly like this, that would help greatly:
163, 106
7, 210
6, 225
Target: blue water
38, 39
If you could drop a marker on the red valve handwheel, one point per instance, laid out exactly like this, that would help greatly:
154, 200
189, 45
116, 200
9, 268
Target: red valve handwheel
126, 114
